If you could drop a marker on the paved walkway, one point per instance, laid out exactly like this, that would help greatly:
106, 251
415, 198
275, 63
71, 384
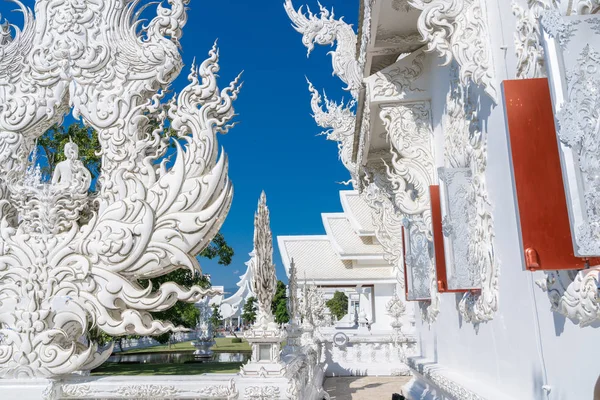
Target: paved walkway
364, 387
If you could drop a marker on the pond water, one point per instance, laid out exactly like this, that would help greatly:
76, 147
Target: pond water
175, 357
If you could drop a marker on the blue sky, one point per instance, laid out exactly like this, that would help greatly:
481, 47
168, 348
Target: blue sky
275, 147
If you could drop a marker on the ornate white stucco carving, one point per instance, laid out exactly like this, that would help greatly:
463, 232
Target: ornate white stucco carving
396, 309
150, 221
397, 81
312, 307
326, 30
264, 280
339, 121
579, 127
261, 392
388, 224
458, 208
293, 294
528, 47
458, 29
466, 147
574, 294
528, 36
411, 172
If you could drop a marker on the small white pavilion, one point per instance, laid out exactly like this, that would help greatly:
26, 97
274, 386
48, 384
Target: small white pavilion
348, 258
231, 307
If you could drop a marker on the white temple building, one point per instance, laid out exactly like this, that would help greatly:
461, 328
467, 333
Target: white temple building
473, 137
349, 259
232, 307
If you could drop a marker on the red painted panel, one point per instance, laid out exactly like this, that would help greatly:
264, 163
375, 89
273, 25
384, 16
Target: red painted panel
542, 205
438, 241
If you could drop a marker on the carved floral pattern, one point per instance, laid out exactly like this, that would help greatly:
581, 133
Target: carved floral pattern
150, 221
574, 294
326, 30
261, 393
466, 147
579, 127
264, 280
458, 30
411, 173
395, 81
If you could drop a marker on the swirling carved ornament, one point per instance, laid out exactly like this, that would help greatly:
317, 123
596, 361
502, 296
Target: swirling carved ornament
528, 46
145, 391
579, 124
388, 223
326, 30
264, 280
398, 81
338, 120
528, 37
458, 30
574, 294
261, 393
151, 220
410, 173
466, 147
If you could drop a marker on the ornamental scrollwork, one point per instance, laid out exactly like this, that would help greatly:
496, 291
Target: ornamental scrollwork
458, 30
339, 121
528, 46
466, 147
579, 122
264, 280
396, 81
410, 173
324, 30
261, 393
574, 294
60, 276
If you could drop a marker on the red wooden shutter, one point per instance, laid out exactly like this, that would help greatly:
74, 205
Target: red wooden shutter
542, 207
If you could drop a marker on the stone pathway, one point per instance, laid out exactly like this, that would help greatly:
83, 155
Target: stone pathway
364, 387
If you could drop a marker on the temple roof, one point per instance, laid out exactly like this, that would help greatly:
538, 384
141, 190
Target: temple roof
346, 241
316, 259
359, 213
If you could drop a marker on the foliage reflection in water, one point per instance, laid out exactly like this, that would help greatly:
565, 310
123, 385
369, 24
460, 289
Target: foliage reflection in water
176, 358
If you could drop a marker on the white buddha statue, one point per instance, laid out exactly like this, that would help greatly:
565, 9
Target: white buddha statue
71, 173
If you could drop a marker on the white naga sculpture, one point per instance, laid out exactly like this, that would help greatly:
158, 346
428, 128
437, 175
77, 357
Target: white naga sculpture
59, 280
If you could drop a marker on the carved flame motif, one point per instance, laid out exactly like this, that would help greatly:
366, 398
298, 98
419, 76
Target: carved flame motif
326, 30
264, 280
92, 57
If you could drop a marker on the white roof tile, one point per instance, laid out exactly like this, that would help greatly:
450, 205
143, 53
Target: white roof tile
316, 259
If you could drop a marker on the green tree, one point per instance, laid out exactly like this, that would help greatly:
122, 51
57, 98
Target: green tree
249, 310
279, 304
215, 317
338, 305
50, 152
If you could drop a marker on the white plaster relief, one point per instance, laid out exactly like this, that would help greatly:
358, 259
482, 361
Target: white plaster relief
59, 279
528, 47
397, 81
574, 294
339, 121
326, 30
579, 127
411, 172
458, 30
466, 147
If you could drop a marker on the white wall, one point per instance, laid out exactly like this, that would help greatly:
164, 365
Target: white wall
507, 354
383, 294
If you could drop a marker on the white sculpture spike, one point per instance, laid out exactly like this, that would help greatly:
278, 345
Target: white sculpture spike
264, 280
326, 30
58, 282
